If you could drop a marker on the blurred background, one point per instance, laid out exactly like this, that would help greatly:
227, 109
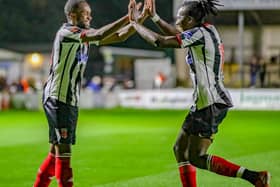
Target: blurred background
249, 29
121, 143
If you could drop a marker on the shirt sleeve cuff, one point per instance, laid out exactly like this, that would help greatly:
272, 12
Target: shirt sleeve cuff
179, 40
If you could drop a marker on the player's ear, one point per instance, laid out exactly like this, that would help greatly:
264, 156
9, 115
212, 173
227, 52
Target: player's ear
73, 16
190, 20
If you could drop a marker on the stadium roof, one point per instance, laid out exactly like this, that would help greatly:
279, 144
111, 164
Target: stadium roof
252, 17
250, 4
260, 12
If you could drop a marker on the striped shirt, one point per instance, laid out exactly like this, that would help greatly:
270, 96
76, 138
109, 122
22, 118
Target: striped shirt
68, 63
205, 56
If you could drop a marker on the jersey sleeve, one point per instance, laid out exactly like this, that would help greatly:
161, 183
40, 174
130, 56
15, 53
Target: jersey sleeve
75, 34
190, 38
72, 34
92, 42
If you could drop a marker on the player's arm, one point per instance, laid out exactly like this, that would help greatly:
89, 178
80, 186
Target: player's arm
103, 32
156, 39
165, 27
125, 32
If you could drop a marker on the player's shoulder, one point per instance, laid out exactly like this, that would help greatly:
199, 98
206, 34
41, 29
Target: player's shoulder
189, 33
209, 26
68, 29
71, 28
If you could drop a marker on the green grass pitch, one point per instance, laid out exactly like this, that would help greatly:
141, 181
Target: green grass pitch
133, 148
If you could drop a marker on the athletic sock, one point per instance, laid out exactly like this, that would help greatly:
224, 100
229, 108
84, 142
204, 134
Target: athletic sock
63, 172
223, 167
250, 176
187, 174
45, 172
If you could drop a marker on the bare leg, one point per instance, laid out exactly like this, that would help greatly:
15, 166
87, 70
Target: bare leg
181, 147
198, 149
187, 171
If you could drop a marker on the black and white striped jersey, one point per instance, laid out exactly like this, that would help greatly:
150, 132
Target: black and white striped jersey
205, 56
68, 63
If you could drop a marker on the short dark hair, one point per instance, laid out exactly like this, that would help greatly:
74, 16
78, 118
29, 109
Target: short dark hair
199, 9
71, 6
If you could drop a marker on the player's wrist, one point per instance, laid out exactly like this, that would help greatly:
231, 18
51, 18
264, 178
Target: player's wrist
155, 18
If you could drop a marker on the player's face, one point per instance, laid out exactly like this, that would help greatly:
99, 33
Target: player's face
84, 15
183, 21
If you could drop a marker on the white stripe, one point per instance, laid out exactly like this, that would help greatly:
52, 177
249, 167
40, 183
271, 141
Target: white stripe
209, 158
240, 172
180, 164
64, 155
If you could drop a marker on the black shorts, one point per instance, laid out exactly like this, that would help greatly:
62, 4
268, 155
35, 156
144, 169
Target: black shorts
62, 119
205, 122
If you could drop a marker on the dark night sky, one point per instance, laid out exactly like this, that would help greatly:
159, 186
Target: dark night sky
36, 21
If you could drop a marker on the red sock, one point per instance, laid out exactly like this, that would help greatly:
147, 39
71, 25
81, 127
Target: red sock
222, 166
187, 175
46, 172
63, 172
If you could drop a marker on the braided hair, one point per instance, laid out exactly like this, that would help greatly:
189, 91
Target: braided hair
72, 6
199, 9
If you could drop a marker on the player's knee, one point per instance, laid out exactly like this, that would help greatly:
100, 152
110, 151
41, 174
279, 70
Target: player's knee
197, 159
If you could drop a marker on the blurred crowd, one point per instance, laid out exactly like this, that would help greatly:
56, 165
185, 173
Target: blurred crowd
96, 84
7, 89
258, 74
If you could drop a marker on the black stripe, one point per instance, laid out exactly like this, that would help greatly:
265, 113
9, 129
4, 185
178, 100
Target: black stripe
217, 63
192, 66
78, 80
198, 42
206, 69
70, 40
65, 64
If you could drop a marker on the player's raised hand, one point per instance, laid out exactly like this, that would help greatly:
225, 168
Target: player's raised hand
138, 13
138, 6
146, 9
152, 7
132, 11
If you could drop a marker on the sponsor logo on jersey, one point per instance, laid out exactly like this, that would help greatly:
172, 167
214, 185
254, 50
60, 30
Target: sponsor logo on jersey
82, 57
187, 35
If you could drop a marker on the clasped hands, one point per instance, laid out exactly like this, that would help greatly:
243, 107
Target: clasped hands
134, 8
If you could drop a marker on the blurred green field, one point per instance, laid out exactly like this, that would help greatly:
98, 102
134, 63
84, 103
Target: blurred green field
133, 148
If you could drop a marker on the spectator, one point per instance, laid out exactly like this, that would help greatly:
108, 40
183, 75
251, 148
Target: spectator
95, 84
25, 85
5, 100
3, 83
159, 80
254, 69
262, 72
